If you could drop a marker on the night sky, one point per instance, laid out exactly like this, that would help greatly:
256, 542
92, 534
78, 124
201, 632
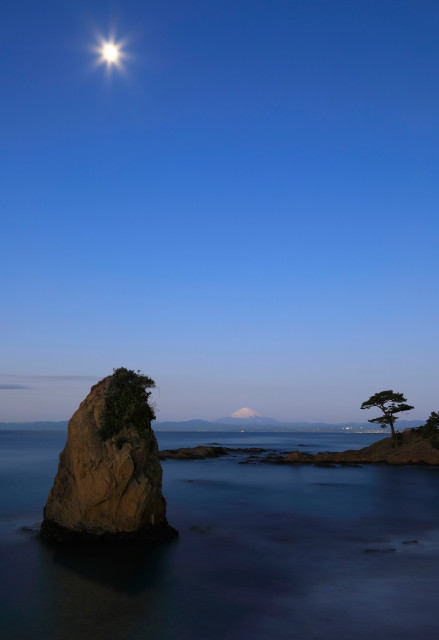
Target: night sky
247, 211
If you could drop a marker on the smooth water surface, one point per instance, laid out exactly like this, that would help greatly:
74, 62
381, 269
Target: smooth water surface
265, 551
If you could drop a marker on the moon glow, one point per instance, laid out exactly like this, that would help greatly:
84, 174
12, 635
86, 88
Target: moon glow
110, 52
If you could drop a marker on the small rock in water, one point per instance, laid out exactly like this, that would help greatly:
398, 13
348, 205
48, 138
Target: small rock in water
204, 531
29, 529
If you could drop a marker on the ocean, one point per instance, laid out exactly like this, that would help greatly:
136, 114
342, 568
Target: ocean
264, 552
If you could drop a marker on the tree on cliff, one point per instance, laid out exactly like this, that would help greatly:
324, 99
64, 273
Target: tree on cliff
390, 403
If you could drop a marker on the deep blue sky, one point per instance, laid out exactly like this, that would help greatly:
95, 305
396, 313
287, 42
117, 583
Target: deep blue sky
249, 213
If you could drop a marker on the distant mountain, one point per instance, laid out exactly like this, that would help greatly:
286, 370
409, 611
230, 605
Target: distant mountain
248, 421
245, 412
246, 417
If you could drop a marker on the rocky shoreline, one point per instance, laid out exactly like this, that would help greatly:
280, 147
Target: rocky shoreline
409, 448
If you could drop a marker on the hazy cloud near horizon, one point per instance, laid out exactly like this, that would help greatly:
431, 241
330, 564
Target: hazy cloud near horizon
47, 397
44, 377
14, 386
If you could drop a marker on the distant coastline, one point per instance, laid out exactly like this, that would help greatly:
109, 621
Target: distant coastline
281, 427
204, 425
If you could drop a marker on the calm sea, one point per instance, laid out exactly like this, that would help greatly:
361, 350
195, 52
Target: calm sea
264, 552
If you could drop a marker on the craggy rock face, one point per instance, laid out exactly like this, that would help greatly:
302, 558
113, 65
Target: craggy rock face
105, 487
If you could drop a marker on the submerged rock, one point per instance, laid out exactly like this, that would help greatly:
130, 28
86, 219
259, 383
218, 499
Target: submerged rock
201, 452
193, 453
109, 480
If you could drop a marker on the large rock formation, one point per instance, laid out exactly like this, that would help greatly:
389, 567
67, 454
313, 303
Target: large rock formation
109, 480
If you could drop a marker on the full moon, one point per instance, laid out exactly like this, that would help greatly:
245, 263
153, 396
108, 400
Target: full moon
110, 52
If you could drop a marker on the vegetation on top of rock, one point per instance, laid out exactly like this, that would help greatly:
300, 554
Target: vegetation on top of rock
390, 403
127, 404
